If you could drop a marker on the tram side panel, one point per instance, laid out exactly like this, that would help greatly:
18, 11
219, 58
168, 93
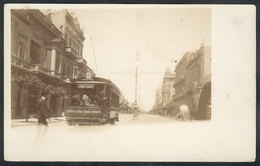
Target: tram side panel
84, 115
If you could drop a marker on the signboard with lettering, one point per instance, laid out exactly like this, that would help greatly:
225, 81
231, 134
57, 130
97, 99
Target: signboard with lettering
86, 85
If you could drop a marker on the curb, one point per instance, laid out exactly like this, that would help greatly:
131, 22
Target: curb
15, 123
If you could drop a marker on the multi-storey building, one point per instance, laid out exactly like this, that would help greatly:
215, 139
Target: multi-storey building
164, 93
167, 87
158, 100
73, 35
40, 61
158, 96
193, 82
181, 73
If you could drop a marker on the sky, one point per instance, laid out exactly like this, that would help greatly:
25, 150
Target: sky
158, 35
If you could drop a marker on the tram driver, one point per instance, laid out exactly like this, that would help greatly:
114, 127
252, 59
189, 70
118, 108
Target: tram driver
75, 100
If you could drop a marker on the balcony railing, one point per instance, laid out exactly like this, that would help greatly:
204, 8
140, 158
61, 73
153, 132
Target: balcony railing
20, 62
16, 61
72, 51
81, 61
39, 68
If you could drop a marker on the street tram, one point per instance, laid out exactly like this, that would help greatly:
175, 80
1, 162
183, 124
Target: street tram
93, 101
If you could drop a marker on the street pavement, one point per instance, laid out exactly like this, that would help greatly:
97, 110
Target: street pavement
33, 121
150, 138
124, 119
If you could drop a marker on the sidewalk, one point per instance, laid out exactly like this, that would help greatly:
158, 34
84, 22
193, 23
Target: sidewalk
34, 121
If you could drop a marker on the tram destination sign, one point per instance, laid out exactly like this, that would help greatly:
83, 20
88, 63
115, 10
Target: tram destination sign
86, 85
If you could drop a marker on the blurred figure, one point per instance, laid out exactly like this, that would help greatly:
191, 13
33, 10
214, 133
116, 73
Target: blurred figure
185, 113
42, 115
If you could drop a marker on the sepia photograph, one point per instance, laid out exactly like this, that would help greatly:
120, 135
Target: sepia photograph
129, 82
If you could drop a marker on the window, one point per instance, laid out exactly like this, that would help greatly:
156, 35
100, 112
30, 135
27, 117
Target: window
35, 53
20, 50
47, 61
57, 62
64, 71
74, 72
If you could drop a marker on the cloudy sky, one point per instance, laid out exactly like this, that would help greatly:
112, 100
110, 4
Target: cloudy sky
158, 35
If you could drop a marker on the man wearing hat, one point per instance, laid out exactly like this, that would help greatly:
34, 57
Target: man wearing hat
42, 115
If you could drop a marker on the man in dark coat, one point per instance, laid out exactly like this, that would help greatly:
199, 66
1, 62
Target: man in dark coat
42, 115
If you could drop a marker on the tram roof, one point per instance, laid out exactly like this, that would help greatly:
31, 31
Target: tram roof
99, 80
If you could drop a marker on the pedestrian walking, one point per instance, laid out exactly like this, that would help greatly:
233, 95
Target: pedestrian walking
42, 115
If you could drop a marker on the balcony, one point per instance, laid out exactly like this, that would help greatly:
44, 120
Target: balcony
18, 62
81, 61
72, 52
22, 64
39, 68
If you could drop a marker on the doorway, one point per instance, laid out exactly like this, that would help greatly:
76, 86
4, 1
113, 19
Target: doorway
32, 101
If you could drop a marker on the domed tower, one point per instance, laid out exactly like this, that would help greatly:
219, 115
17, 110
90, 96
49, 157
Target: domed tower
167, 87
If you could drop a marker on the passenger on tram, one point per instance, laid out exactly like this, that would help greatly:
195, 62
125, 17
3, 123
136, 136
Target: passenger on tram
85, 100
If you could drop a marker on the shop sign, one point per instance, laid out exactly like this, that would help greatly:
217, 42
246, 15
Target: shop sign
86, 85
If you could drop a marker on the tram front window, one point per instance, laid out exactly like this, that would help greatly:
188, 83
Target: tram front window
81, 98
86, 97
75, 100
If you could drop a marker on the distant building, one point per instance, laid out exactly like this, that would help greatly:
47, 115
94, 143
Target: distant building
158, 96
164, 93
158, 101
167, 87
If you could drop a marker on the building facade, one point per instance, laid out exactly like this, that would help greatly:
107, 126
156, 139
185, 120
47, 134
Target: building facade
74, 37
158, 96
167, 87
41, 61
193, 82
164, 94
157, 101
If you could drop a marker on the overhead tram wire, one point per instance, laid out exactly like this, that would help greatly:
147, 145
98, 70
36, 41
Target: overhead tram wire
94, 55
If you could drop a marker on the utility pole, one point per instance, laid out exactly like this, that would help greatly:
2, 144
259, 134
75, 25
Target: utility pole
136, 71
135, 117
